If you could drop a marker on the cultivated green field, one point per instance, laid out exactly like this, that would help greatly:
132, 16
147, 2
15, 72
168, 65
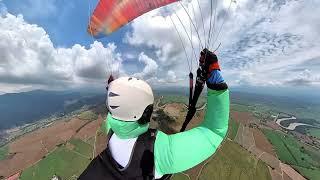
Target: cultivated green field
292, 152
314, 132
313, 174
62, 162
88, 115
3, 152
281, 150
179, 177
230, 162
90, 141
233, 162
82, 147
314, 153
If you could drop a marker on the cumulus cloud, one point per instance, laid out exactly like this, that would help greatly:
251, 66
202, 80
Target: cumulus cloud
306, 77
156, 31
150, 68
28, 57
172, 76
263, 42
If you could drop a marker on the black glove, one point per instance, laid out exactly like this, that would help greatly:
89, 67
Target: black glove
210, 71
208, 61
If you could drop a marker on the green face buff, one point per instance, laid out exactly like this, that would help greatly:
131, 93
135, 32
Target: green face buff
125, 130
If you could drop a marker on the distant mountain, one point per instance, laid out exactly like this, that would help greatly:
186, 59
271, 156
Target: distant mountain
300, 107
303, 104
26, 107
184, 91
305, 94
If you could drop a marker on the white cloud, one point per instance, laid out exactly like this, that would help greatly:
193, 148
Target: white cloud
263, 42
28, 57
171, 77
150, 68
306, 77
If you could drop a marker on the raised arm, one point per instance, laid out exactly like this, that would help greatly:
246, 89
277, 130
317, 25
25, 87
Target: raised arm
182, 151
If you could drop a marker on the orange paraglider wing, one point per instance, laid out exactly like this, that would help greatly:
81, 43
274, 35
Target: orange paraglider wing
111, 15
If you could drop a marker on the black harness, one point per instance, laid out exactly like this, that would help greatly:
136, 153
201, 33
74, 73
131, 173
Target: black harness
140, 166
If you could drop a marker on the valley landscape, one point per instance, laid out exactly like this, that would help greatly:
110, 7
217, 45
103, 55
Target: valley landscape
262, 143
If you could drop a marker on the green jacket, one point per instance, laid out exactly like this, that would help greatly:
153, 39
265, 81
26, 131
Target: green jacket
179, 152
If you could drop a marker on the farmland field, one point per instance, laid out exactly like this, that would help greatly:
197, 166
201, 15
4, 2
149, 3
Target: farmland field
179, 176
229, 162
90, 141
262, 143
309, 173
88, 115
233, 162
61, 162
240, 108
281, 150
3, 152
314, 132
314, 153
68, 151
82, 147
292, 152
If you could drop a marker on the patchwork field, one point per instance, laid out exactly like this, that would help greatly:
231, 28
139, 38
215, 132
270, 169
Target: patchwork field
33, 150
230, 162
32, 147
243, 117
292, 152
262, 142
240, 108
68, 160
250, 152
62, 162
233, 162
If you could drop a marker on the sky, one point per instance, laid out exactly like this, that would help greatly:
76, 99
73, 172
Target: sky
44, 44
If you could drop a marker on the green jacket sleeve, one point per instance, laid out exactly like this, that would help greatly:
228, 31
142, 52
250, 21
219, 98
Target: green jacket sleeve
179, 152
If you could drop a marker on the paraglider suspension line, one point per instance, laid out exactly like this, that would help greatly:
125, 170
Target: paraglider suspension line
184, 28
192, 23
184, 48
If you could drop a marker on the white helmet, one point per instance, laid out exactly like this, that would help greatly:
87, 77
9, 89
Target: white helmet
128, 98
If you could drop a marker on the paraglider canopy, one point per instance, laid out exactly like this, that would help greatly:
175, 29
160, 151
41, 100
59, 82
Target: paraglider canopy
111, 15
